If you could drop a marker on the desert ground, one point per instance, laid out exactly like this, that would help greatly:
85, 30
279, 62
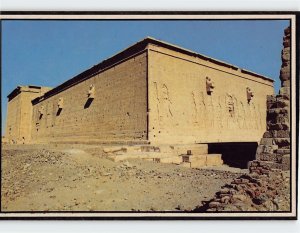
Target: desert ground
82, 178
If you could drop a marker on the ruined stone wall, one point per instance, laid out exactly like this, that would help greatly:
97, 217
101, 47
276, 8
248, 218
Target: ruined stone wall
195, 100
274, 147
117, 111
19, 114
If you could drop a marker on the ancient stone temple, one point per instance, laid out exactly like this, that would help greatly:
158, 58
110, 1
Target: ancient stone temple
150, 93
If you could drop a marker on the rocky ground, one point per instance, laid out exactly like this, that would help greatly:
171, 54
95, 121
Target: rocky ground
81, 178
42, 178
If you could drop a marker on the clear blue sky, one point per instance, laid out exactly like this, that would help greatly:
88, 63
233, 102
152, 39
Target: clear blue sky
47, 53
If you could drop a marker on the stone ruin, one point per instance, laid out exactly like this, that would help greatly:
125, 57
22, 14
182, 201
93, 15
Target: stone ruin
266, 187
274, 147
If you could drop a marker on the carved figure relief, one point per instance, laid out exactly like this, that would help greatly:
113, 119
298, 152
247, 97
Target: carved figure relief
218, 114
241, 115
60, 103
41, 111
166, 98
209, 85
91, 92
249, 94
230, 104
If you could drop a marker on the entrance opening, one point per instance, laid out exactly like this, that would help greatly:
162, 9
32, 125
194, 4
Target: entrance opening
234, 154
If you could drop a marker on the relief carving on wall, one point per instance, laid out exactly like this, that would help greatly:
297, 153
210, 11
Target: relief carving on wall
41, 111
250, 94
166, 99
230, 104
91, 92
209, 86
224, 111
60, 103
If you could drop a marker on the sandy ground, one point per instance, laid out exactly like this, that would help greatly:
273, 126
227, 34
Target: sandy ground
81, 178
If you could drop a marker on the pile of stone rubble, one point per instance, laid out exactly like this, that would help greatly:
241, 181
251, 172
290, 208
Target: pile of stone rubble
264, 189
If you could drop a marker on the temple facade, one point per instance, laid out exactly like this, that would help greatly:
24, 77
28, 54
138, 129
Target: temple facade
152, 92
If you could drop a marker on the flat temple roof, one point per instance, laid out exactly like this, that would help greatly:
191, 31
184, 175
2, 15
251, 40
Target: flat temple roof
131, 50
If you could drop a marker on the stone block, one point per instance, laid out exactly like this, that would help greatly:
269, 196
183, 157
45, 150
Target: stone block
286, 43
282, 134
196, 149
286, 159
267, 157
283, 151
198, 161
282, 119
185, 164
270, 165
282, 142
285, 73
278, 126
287, 31
267, 141
214, 160
275, 112
285, 167
266, 149
148, 148
114, 149
268, 134
285, 54
172, 159
271, 99
281, 102
286, 87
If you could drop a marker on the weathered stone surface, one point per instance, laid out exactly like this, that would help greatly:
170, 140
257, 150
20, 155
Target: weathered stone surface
285, 56
282, 142
156, 95
283, 151
286, 162
282, 134
268, 157
287, 31
19, 110
285, 90
278, 126
251, 192
278, 121
267, 141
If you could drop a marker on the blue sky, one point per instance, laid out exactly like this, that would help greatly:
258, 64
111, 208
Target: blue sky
49, 52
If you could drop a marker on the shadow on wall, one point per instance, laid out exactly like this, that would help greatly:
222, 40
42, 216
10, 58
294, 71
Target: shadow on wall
234, 154
88, 103
58, 111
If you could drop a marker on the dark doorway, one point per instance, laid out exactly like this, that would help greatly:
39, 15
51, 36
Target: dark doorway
234, 154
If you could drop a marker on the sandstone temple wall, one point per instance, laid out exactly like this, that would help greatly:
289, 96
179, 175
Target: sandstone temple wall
117, 110
184, 109
19, 113
151, 92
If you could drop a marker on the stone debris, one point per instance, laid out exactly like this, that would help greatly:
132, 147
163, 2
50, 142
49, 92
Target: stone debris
52, 179
258, 191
